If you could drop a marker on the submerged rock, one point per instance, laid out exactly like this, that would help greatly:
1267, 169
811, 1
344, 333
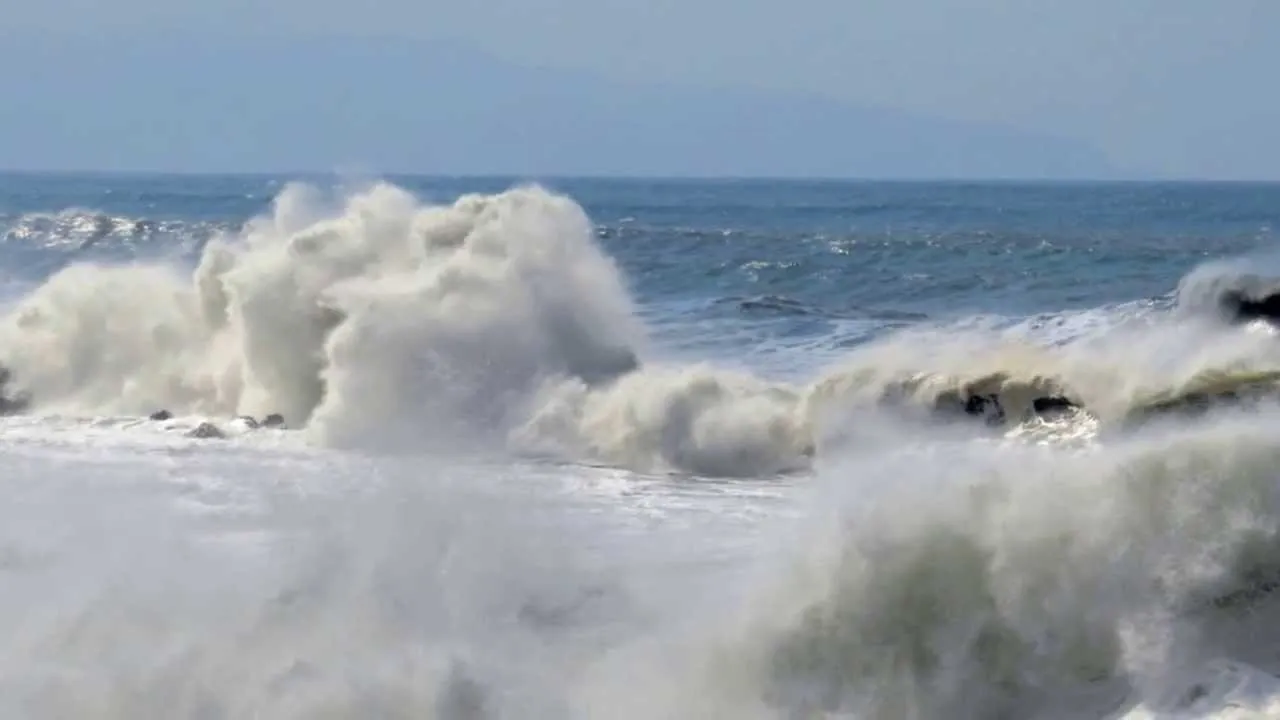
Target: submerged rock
206, 430
1243, 308
1043, 405
992, 411
160, 415
985, 406
11, 404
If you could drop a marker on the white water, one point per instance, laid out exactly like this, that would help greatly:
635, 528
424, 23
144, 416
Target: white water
150, 574
919, 571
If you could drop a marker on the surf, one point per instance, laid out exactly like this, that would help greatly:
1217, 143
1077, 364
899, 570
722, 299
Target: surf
494, 494
369, 318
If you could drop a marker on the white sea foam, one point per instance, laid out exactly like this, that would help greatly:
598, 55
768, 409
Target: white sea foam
912, 572
375, 320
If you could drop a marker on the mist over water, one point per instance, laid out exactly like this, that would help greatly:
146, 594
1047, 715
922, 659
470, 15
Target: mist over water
551, 457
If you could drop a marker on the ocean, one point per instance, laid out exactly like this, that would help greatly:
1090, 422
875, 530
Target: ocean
625, 449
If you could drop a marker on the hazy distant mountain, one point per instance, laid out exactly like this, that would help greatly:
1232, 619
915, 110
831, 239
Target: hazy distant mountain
269, 105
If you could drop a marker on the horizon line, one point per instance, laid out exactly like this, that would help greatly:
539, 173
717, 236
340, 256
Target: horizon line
687, 177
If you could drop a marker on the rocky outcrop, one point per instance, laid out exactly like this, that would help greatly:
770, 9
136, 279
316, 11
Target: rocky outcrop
206, 430
990, 409
1192, 404
209, 430
987, 407
1047, 405
1240, 307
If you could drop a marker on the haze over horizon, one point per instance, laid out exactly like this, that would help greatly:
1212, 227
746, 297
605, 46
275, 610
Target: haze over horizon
941, 89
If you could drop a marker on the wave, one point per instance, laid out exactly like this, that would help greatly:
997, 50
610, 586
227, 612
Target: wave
950, 580
959, 582
1124, 374
346, 319
376, 320
945, 582
1231, 287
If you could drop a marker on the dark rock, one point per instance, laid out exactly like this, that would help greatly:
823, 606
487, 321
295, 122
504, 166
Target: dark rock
987, 406
160, 415
1046, 404
247, 420
11, 404
992, 410
1241, 308
206, 430
273, 420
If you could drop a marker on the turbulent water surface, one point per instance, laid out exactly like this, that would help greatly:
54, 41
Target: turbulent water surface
635, 449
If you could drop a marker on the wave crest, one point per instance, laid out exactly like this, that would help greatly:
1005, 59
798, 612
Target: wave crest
377, 320
354, 319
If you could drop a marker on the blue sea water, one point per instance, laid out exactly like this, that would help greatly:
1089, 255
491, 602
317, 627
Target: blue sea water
732, 522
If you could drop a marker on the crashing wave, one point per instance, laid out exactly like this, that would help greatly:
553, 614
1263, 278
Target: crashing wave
377, 320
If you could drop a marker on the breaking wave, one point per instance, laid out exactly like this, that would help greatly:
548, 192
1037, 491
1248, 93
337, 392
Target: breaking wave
922, 579
1025, 583
347, 320
376, 320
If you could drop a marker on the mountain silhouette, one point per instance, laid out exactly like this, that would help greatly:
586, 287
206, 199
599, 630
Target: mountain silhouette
197, 103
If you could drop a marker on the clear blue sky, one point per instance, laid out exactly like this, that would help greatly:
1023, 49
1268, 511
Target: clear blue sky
1160, 87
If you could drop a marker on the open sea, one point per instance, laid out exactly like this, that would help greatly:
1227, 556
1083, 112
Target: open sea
636, 449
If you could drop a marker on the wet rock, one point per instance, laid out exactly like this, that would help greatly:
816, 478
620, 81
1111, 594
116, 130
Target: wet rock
160, 415
1242, 308
249, 422
985, 406
274, 420
206, 430
1051, 404
11, 403
992, 411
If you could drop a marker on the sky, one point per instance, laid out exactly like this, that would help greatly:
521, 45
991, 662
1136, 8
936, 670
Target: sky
1162, 88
